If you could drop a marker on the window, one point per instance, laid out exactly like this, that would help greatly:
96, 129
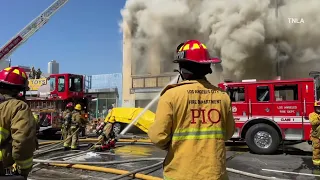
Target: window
52, 82
237, 94
263, 94
317, 84
108, 95
61, 84
286, 92
75, 84
111, 103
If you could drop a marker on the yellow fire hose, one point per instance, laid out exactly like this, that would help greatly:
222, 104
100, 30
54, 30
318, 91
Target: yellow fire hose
107, 170
103, 169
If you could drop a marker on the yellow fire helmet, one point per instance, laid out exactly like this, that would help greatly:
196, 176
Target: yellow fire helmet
317, 103
78, 107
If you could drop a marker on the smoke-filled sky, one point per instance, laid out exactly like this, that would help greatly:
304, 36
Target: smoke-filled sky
242, 33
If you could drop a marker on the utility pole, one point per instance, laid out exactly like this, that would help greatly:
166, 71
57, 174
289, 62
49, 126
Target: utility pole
278, 68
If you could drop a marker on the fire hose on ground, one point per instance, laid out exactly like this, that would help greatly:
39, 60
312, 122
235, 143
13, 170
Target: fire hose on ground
102, 169
157, 165
61, 142
94, 140
123, 173
107, 170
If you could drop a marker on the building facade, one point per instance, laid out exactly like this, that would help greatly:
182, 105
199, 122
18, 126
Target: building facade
104, 90
53, 67
140, 88
4, 64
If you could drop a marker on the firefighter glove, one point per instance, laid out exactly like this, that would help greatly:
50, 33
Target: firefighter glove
21, 172
14, 168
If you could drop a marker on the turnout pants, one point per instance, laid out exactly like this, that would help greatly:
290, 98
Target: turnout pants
73, 138
315, 150
106, 135
64, 132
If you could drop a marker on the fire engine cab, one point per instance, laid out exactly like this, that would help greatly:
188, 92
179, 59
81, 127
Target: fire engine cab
60, 90
268, 113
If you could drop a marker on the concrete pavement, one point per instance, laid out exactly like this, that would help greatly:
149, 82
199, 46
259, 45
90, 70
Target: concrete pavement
294, 164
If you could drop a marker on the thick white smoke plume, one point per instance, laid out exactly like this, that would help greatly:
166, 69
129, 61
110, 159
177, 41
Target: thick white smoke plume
244, 33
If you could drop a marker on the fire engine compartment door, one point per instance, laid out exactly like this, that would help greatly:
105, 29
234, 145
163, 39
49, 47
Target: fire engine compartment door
288, 109
261, 103
240, 106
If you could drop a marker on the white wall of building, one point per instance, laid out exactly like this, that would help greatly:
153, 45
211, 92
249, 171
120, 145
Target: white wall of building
53, 67
4, 64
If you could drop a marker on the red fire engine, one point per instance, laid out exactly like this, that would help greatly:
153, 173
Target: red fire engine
62, 89
268, 113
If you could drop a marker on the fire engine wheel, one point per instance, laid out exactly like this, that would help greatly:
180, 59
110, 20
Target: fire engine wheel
117, 128
262, 139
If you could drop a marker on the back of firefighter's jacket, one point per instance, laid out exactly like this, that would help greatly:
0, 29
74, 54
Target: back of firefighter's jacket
18, 133
67, 118
77, 119
193, 121
314, 119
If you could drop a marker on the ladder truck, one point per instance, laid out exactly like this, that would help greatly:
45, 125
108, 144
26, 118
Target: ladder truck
73, 85
30, 29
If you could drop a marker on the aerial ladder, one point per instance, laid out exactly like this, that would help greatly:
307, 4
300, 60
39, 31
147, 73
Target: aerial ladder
30, 29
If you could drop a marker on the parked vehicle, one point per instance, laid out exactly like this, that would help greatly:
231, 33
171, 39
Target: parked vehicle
268, 113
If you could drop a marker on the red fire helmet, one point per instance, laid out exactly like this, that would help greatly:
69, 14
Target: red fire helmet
194, 51
14, 76
70, 104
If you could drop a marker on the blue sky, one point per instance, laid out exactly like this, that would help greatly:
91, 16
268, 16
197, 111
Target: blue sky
83, 36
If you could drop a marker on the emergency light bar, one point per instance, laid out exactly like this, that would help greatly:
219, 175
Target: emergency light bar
228, 81
249, 80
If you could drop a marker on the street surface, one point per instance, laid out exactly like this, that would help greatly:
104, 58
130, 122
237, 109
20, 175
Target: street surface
297, 159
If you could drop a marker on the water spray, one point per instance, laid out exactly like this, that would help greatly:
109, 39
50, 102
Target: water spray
154, 100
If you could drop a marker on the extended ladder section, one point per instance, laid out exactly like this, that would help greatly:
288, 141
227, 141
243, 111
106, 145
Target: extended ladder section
30, 29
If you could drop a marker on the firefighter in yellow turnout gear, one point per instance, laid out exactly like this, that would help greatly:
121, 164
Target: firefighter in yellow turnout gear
193, 120
73, 133
106, 135
314, 119
66, 123
17, 125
